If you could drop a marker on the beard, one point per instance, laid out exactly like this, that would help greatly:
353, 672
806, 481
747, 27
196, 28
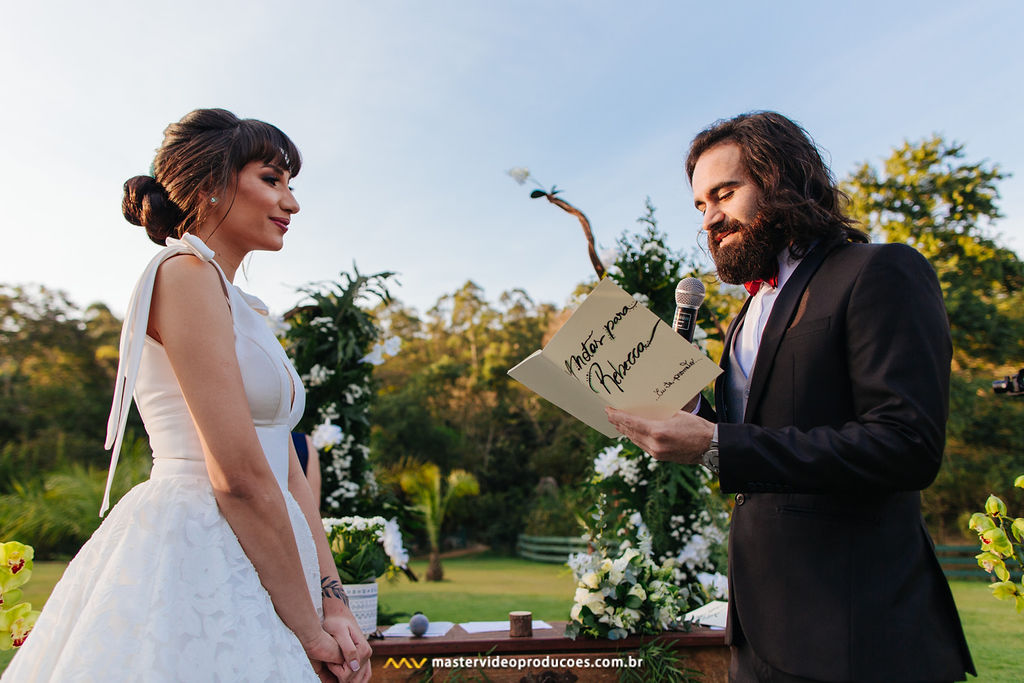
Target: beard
753, 255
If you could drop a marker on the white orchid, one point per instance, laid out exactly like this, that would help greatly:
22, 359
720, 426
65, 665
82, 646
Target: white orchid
326, 435
392, 345
716, 585
391, 537
519, 174
375, 356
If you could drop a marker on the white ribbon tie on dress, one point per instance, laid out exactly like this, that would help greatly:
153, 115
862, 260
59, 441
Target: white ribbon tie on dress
133, 337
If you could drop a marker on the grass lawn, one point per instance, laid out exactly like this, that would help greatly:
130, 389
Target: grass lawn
995, 632
482, 588
486, 588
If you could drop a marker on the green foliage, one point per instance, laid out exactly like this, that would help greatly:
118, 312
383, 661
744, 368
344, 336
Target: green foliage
57, 365
553, 512
432, 500
447, 399
661, 664
329, 341
929, 198
983, 437
58, 511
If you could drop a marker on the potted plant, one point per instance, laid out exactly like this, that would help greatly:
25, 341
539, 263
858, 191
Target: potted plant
364, 549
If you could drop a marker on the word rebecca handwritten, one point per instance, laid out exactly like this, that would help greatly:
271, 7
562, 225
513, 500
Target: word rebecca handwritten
667, 384
590, 345
619, 370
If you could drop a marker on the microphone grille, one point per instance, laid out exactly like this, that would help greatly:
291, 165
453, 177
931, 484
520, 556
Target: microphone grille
690, 292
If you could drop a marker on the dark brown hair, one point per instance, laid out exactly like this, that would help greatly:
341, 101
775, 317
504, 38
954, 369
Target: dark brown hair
200, 157
798, 189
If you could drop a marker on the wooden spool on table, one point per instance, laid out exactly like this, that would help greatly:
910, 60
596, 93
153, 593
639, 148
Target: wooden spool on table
520, 624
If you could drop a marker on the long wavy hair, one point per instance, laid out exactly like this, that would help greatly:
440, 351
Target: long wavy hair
798, 190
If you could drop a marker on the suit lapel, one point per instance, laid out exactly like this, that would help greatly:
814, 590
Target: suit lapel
779, 321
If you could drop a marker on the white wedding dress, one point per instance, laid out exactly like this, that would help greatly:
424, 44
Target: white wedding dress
163, 591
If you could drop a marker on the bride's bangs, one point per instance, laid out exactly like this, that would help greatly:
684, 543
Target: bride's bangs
260, 141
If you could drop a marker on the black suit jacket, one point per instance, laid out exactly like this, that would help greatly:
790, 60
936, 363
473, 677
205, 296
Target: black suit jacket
832, 573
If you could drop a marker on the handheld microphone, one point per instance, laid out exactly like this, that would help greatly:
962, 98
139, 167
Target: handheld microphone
689, 296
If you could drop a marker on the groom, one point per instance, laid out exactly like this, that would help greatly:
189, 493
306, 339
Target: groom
829, 420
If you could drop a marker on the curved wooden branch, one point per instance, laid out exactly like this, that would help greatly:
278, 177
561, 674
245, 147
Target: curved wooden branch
569, 208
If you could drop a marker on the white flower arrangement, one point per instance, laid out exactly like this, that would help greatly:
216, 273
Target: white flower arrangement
630, 594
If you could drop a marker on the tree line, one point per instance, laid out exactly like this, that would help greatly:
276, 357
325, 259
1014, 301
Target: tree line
445, 397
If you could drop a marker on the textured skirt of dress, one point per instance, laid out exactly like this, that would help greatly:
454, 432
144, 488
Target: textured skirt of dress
164, 592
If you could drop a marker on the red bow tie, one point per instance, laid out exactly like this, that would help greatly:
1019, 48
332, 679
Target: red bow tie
754, 285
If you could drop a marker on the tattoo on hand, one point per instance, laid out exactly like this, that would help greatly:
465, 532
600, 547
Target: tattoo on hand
331, 588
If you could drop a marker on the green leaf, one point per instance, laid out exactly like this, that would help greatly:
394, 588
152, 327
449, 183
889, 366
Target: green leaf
1019, 481
536, 194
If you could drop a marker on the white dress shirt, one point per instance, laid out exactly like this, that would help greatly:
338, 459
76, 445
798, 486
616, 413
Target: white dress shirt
749, 334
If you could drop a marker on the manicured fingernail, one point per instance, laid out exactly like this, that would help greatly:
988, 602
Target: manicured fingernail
354, 665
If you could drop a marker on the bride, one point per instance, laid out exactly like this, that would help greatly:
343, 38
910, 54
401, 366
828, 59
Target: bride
217, 568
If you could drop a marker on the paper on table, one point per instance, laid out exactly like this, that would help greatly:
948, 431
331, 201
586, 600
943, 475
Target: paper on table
614, 351
488, 626
434, 630
713, 614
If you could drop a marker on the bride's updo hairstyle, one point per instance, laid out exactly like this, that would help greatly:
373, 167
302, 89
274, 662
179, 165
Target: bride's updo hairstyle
198, 164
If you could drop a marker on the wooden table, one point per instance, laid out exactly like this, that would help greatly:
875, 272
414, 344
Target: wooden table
508, 660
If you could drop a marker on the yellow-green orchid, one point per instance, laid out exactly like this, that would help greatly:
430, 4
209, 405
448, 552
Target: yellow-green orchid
9, 584
16, 556
15, 625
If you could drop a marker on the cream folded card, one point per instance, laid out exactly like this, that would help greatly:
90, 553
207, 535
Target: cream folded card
614, 351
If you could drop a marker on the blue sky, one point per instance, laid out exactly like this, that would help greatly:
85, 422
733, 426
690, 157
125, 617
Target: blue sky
409, 113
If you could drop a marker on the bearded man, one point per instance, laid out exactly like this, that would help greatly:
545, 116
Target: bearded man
829, 420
